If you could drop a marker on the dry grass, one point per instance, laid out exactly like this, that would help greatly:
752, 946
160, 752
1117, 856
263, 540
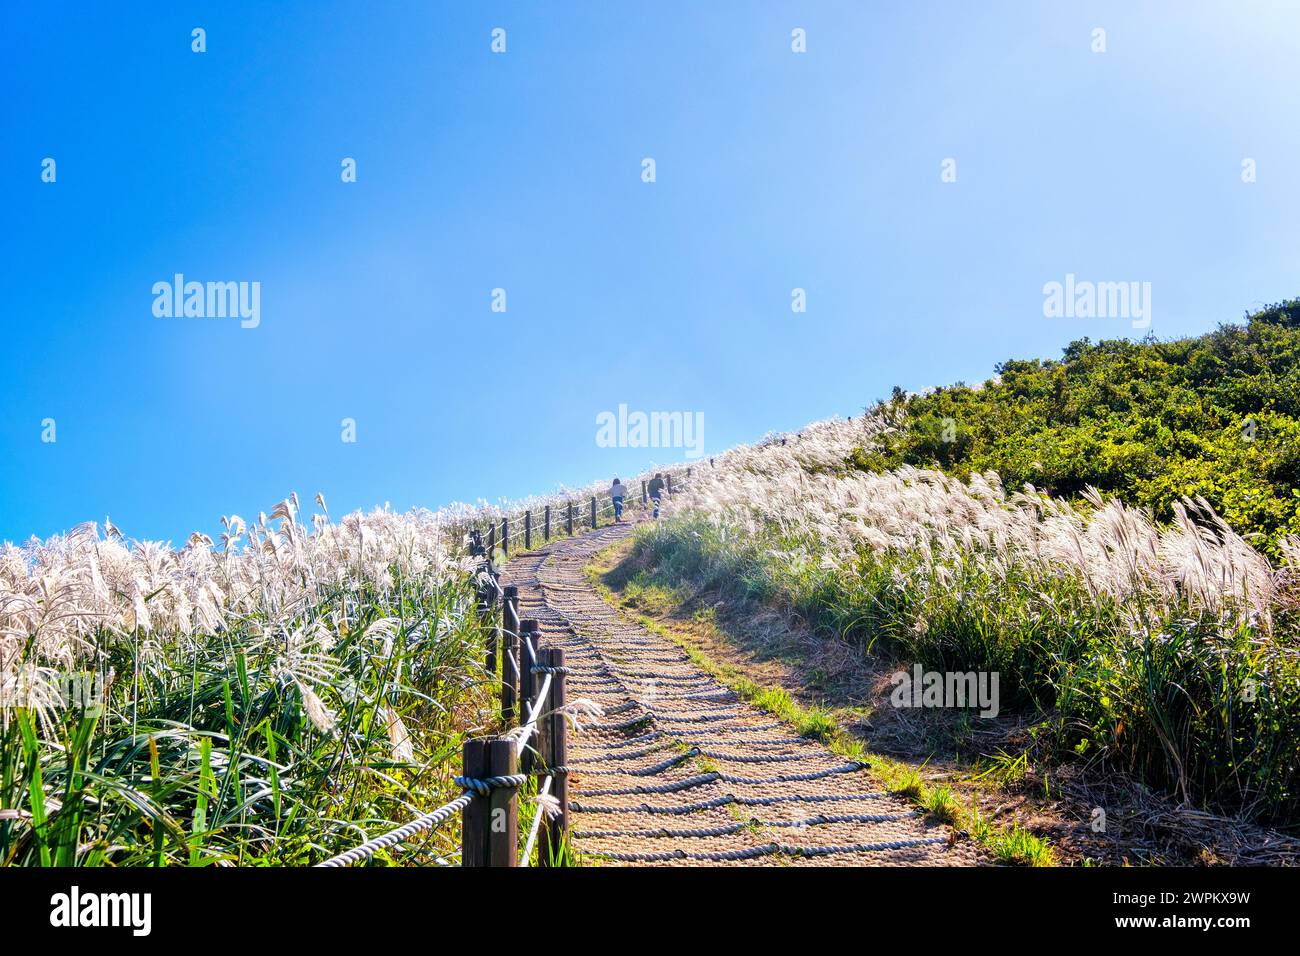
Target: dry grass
268, 701
979, 772
1169, 652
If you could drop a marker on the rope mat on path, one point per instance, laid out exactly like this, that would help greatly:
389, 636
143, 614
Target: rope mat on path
681, 770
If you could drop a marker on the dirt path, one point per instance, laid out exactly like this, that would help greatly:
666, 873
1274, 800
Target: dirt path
680, 770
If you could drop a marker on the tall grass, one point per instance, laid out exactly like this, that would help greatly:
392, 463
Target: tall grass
271, 702
1170, 651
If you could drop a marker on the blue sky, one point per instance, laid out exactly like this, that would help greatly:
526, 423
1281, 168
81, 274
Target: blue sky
522, 171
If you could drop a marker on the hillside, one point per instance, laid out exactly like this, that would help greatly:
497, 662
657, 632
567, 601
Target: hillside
1215, 416
1162, 650
1103, 537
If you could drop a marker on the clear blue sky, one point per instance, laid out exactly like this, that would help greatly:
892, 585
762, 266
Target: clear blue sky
522, 171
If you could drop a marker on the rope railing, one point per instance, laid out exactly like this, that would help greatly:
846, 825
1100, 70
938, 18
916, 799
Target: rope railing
525, 732
544, 522
494, 769
368, 849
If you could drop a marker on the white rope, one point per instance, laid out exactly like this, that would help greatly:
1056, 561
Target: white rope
368, 849
530, 726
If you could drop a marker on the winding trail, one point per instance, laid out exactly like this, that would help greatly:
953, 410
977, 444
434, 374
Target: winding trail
680, 770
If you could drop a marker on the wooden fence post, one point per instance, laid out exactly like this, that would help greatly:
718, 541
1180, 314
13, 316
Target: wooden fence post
645, 499
486, 598
593, 512
503, 805
546, 524
505, 535
492, 541
476, 820
553, 746
509, 652
528, 531
489, 826
669, 478
570, 531
529, 631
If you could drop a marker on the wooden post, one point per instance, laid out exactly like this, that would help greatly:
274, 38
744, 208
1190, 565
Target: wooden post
593, 512
492, 542
546, 525
528, 684
489, 829
505, 535
688, 473
509, 652
486, 598
645, 498
528, 531
553, 746
476, 820
669, 478
570, 531
503, 805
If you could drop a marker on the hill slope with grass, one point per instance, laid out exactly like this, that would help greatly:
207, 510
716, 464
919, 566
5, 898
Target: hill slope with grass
1110, 533
1216, 416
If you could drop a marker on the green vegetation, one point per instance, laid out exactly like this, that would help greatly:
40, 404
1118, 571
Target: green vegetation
1193, 704
318, 703
1217, 416
225, 758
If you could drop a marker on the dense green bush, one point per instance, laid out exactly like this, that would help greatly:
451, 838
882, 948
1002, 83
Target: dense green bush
1217, 415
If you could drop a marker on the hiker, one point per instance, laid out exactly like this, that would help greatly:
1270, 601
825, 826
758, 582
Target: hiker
616, 491
656, 489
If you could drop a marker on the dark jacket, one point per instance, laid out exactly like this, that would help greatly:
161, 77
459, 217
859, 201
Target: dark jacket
656, 487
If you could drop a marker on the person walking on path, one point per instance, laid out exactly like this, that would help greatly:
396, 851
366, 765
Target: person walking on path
616, 492
656, 489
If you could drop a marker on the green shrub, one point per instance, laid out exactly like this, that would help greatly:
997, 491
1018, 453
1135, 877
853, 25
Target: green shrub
1217, 415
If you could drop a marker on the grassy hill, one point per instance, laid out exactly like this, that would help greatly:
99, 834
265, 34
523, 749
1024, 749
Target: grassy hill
1138, 602
1216, 416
